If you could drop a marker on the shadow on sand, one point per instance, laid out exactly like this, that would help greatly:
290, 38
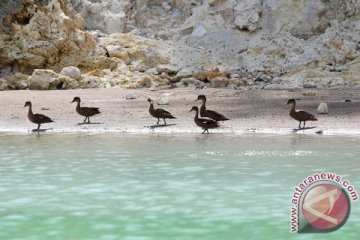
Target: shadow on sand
40, 130
88, 123
307, 128
161, 125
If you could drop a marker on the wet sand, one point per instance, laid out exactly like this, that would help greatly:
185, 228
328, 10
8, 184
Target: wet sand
259, 111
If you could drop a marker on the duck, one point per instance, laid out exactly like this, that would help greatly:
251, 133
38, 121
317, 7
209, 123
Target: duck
208, 113
300, 116
204, 123
159, 113
87, 112
37, 118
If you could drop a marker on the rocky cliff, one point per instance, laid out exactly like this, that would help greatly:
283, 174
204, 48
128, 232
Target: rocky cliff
271, 44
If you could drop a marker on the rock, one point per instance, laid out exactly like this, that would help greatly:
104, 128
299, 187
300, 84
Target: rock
248, 15
310, 85
17, 81
3, 85
199, 31
64, 82
189, 82
167, 68
130, 97
142, 53
106, 16
219, 82
248, 82
89, 81
309, 93
166, 6
72, 72
41, 79
164, 99
42, 36
45, 79
323, 108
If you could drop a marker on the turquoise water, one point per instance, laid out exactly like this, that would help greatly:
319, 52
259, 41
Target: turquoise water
164, 187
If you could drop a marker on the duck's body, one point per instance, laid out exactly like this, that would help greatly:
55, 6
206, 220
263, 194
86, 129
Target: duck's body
159, 113
204, 123
37, 118
300, 116
208, 113
87, 112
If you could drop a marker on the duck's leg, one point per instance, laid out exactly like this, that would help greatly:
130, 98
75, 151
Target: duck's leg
207, 131
88, 119
158, 121
164, 121
304, 125
85, 119
204, 131
299, 124
38, 127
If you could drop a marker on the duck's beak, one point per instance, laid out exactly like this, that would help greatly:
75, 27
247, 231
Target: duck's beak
72, 101
197, 99
190, 110
25, 105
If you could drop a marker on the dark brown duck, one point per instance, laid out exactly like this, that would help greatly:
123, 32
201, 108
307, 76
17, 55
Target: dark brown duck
300, 116
87, 112
159, 113
204, 123
37, 118
208, 113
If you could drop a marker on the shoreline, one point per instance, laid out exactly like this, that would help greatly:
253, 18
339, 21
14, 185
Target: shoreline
254, 111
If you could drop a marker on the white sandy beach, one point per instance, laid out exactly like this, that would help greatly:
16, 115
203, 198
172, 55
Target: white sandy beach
250, 111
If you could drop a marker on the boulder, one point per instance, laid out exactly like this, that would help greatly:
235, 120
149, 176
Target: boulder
71, 72
164, 99
3, 85
323, 108
17, 81
45, 79
219, 82
247, 14
41, 79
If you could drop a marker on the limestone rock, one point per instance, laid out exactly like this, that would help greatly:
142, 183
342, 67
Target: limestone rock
190, 82
42, 36
17, 81
3, 85
310, 85
219, 82
248, 15
164, 99
44, 79
323, 108
41, 79
107, 16
72, 72
130, 97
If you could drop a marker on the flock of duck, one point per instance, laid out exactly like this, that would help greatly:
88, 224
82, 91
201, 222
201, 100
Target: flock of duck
209, 119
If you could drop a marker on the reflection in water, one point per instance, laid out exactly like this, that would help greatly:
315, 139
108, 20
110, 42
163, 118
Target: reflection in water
78, 186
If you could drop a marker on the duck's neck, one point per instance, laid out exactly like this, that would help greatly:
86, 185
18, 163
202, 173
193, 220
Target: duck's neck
30, 113
292, 107
78, 105
203, 101
151, 106
196, 114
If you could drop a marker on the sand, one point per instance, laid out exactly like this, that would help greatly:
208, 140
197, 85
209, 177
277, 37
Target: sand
257, 111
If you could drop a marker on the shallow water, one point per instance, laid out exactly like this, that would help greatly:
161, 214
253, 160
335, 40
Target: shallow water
151, 186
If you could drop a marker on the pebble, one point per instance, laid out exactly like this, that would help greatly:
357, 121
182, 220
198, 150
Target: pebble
130, 97
323, 108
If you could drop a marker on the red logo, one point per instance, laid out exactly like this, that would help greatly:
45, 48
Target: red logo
325, 207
